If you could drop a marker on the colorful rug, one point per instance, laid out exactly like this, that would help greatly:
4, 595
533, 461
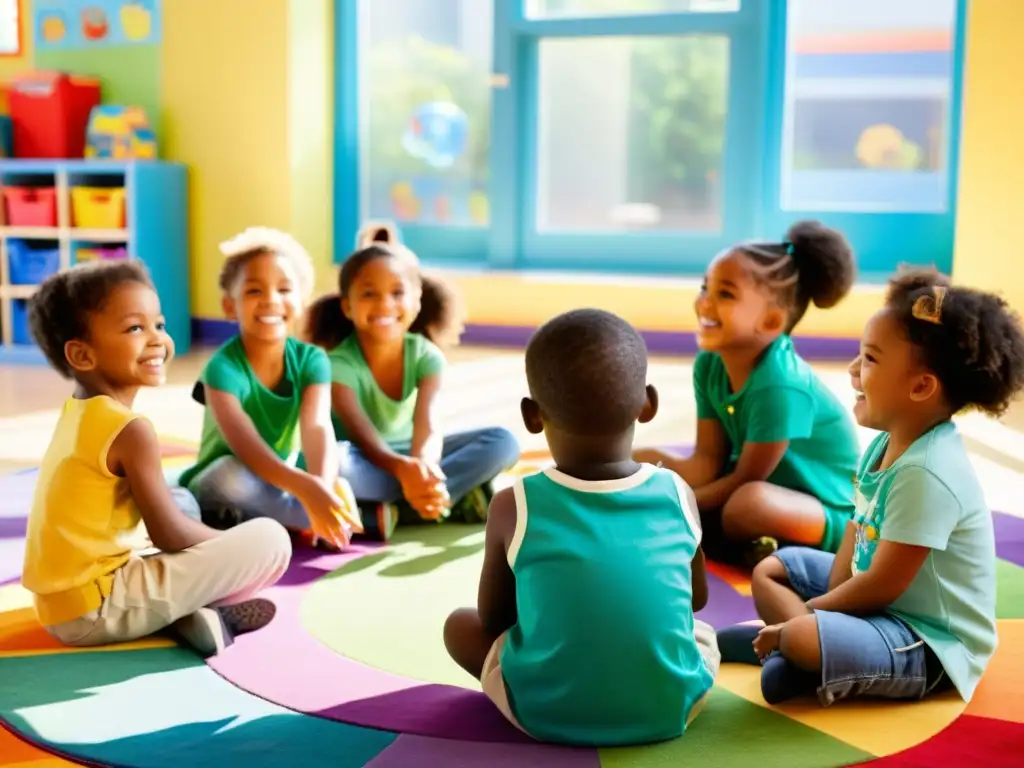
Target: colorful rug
353, 672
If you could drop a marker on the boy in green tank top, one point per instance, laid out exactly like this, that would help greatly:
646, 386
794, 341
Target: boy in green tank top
584, 631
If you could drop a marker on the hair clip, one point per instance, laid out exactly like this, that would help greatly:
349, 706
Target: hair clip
929, 308
788, 247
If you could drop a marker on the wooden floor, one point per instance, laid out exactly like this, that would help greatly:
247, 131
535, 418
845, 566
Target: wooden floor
483, 386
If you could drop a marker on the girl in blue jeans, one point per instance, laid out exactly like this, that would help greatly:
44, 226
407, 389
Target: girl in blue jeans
907, 605
385, 381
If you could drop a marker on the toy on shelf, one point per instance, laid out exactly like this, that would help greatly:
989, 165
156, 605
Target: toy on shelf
120, 133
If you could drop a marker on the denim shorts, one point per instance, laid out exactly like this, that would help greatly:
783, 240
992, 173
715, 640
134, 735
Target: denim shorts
877, 656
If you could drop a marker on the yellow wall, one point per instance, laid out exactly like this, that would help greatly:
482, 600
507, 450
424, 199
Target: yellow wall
991, 202
246, 90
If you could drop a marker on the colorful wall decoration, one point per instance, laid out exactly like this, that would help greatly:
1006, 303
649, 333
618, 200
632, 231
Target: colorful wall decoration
65, 24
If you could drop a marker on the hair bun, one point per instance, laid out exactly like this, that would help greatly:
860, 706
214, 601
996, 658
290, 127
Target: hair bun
825, 262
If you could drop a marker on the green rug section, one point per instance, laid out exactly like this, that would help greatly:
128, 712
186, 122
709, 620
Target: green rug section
409, 588
164, 708
732, 732
1009, 590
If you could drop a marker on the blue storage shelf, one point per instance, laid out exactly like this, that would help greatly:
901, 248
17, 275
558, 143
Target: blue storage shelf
155, 231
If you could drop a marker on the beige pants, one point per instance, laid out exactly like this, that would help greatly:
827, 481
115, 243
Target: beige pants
494, 684
153, 592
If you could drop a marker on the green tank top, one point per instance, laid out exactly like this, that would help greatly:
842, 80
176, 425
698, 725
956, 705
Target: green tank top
603, 652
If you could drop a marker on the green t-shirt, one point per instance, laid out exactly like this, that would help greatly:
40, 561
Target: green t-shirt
930, 497
784, 400
393, 419
274, 414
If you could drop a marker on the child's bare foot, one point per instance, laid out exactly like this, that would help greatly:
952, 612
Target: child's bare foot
211, 630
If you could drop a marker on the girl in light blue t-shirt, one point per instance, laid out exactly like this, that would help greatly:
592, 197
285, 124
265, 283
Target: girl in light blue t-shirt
908, 605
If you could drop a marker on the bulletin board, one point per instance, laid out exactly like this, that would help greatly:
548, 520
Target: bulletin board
59, 24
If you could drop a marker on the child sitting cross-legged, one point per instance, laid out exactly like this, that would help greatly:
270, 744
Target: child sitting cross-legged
584, 631
386, 388
908, 605
263, 389
101, 497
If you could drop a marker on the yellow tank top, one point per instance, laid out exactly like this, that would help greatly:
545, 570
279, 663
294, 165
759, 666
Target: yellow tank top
84, 523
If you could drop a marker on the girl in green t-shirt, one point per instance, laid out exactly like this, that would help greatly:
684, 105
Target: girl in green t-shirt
385, 382
776, 450
265, 392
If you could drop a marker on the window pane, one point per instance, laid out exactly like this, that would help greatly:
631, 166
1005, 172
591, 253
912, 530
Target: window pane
9, 23
867, 105
426, 110
547, 9
631, 133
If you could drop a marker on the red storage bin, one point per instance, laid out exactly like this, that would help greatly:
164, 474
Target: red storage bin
50, 112
30, 206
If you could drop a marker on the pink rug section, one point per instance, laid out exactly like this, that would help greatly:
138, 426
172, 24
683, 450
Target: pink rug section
317, 681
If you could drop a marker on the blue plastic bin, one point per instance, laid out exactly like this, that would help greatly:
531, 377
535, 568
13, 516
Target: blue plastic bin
31, 264
19, 322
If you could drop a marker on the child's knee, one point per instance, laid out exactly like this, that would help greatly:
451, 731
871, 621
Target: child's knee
769, 569
740, 512
506, 447
225, 481
268, 541
800, 643
460, 624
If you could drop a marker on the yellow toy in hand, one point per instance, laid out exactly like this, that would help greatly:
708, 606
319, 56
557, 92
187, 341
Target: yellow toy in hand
347, 516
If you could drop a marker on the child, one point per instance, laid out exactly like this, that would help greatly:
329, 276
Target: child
908, 606
775, 449
441, 316
260, 389
100, 325
584, 630
384, 394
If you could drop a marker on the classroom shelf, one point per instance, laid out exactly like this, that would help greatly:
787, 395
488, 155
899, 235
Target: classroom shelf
156, 231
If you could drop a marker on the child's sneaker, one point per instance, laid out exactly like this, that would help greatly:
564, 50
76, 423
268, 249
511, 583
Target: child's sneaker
473, 507
379, 520
211, 630
221, 519
758, 550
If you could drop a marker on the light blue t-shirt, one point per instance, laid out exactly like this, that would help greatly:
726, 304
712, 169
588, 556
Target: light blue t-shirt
603, 651
930, 497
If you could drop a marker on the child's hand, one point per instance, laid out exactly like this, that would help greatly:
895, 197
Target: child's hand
325, 509
768, 640
423, 487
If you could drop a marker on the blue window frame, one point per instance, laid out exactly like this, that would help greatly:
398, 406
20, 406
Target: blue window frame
849, 73
587, 161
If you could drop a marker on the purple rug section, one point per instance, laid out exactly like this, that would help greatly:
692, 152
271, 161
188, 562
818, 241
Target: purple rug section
1009, 537
213, 332
15, 501
418, 750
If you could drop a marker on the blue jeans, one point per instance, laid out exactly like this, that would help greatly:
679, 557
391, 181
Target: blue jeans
877, 655
468, 459
228, 484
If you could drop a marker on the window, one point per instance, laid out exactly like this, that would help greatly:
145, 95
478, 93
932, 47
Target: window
867, 113
425, 100
10, 27
630, 133
547, 9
